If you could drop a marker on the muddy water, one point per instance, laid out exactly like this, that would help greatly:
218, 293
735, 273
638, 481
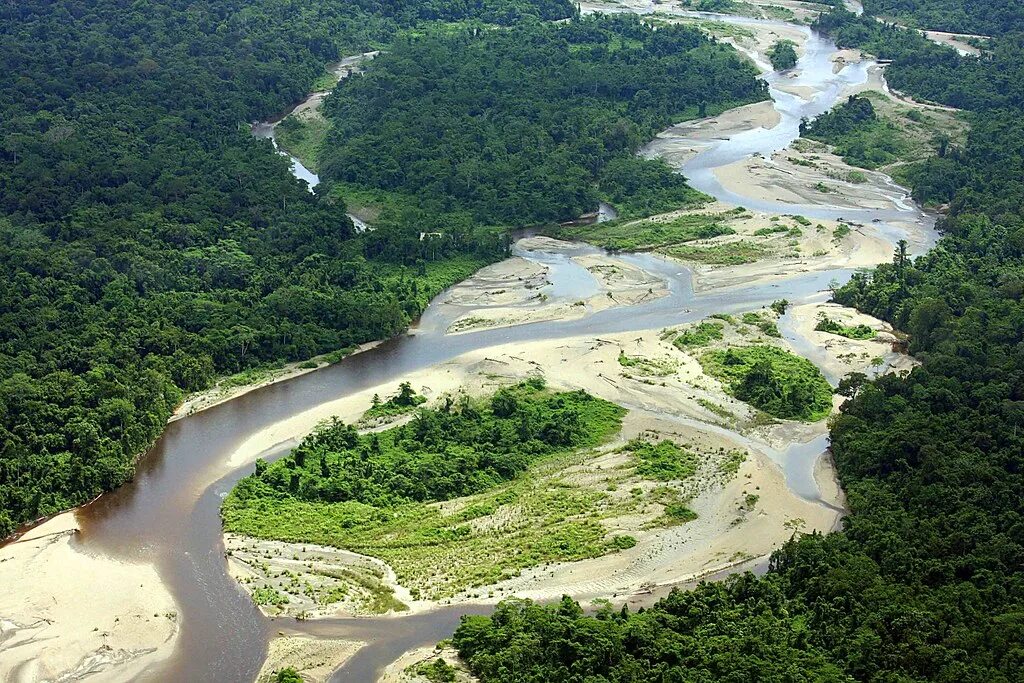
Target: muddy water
169, 514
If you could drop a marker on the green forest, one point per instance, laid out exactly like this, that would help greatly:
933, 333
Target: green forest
462, 447
532, 125
924, 582
859, 135
985, 17
151, 245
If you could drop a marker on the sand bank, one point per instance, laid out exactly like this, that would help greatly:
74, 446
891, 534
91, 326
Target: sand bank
680, 143
404, 669
774, 246
313, 658
809, 175
838, 356
957, 41
517, 291
68, 615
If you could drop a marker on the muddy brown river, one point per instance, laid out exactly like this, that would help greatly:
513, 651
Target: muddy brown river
168, 514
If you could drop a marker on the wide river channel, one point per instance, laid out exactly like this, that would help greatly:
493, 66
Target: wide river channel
168, 514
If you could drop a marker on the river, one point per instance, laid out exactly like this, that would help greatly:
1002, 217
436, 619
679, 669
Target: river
168, 514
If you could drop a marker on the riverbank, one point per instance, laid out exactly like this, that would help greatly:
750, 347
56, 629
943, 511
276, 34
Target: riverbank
232, 387
314, 659
739, 517
66, 614
520, 290
256, 424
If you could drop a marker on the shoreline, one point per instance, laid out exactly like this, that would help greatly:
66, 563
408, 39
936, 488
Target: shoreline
68, 614
209, 398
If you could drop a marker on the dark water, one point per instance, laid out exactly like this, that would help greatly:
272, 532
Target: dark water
169, 514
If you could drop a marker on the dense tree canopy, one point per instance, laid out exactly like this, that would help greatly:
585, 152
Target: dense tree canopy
150, 244
531, 125
933, 72
987, 17
464, 446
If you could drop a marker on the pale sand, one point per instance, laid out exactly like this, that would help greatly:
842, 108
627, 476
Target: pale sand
842, 58
264, 563
315, 659
513, 281
955, 41
310, 107
815, 248
825, 183
512, 292
402, 670
682, 142
839, 356
67, 615
725, 533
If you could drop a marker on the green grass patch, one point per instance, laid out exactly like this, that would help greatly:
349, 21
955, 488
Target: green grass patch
662, 461
325, 81
730, 465
302, 137
652, 235
701, 335
647, 366
373, 493
773, 380
840, 232
826, 324
728, 254
766, 325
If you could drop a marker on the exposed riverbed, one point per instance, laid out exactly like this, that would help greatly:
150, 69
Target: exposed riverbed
168, 517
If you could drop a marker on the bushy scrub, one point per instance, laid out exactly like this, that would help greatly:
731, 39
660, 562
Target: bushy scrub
701, 335
783, 55
766, 325
778, 382
826, 324
405, 401
462, 447
859, 135
652, 235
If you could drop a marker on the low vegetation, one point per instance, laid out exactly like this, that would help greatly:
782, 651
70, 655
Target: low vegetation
659, 235
662, 461
649, 367
762, 322
701, 334
405, 401
464, 446
301, 136
372, 493
724, 254
859, 135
